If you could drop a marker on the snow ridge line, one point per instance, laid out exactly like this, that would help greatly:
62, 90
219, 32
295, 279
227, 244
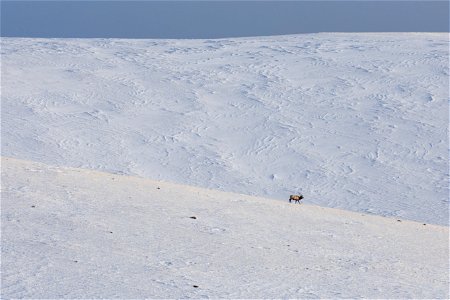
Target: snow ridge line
39, 167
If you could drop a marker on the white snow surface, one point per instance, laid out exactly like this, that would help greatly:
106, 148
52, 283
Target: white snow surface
357, 121
83, 234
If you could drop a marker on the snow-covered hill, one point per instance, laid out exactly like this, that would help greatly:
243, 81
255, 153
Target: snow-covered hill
73, 233
354, 121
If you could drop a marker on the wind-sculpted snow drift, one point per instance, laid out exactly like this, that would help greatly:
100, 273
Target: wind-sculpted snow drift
354, 121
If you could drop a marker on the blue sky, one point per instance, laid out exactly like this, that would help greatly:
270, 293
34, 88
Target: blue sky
216, 19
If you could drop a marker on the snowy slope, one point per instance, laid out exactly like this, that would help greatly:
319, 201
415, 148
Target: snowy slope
73, 233
354, 121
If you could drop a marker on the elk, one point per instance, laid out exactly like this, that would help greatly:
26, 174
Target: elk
296, 198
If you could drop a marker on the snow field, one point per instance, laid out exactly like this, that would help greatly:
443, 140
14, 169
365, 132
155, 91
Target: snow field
353, 121
74, 233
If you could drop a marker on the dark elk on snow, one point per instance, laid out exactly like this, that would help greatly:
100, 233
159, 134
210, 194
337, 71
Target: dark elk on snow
296, 198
